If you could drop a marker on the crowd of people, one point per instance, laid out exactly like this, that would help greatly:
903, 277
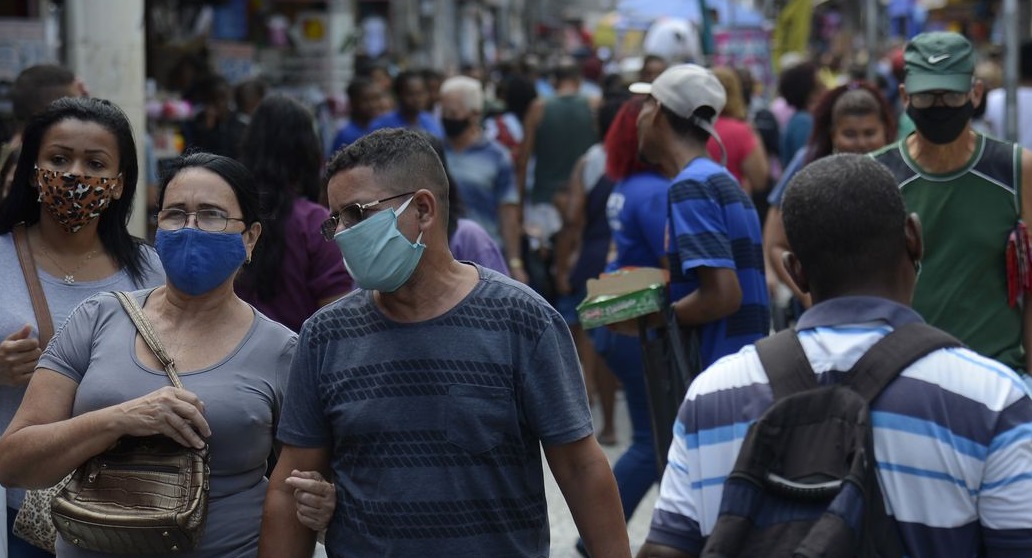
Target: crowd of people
380, 343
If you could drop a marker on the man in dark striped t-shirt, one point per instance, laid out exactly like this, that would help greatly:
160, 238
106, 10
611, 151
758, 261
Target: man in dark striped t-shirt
714, 246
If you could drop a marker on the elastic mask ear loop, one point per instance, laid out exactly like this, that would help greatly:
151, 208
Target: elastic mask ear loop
401, 208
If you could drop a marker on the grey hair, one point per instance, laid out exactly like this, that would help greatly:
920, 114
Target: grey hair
471, 90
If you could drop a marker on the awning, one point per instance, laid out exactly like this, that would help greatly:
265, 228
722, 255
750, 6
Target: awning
730, 13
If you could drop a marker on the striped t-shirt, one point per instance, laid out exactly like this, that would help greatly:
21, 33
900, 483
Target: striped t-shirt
712, 223
436, 427
952, 439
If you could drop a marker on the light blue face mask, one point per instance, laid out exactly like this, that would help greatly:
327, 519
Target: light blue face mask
377, 255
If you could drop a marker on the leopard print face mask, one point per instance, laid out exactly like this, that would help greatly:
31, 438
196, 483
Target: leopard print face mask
73, 200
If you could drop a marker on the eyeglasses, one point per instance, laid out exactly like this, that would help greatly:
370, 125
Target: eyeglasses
351, 215
953, 99
211, 220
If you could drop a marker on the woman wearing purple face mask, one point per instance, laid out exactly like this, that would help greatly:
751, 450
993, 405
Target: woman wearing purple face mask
98, 381
69, 201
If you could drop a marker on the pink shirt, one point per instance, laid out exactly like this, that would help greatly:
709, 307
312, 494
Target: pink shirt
739, 140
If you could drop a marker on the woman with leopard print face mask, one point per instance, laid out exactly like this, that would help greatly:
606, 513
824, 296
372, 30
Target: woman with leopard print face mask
70, 198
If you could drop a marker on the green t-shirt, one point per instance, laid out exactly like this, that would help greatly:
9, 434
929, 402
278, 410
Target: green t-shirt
966, 219
566, 131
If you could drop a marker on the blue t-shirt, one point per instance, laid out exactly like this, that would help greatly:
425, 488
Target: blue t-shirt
635, 210
797, 132
425, 121
794, 166
436, 427
348, 135
486, 178
713, 223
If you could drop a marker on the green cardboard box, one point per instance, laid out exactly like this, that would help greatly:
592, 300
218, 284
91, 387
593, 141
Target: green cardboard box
623, 295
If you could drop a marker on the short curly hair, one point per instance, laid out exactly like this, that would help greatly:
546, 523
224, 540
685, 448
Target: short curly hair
845, 221
403, 158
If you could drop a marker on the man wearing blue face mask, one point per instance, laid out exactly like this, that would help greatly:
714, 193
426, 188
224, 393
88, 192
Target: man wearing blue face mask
430, 392
972, 193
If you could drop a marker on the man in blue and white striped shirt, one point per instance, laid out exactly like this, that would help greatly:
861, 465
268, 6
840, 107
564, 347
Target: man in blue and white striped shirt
952, 434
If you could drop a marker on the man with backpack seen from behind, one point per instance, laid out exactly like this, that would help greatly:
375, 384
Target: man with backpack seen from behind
952, 431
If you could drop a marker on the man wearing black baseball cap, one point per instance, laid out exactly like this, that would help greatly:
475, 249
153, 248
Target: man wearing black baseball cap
714, 247
971, 193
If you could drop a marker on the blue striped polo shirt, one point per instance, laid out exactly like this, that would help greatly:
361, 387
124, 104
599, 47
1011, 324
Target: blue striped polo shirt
712, 223
952, 438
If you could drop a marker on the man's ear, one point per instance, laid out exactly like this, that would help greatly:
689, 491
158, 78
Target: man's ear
425, 205
903, 97
795, 271
977, 92
914, 240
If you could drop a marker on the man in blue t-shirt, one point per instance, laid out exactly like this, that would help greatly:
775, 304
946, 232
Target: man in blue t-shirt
412, 95
714, 247
364, 99
431, 393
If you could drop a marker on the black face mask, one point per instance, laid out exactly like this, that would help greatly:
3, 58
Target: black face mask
455, 127
941, 125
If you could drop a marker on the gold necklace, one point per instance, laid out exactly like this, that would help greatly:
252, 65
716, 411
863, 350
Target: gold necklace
69, 277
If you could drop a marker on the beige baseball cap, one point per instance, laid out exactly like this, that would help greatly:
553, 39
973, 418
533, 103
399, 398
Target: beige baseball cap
685, 88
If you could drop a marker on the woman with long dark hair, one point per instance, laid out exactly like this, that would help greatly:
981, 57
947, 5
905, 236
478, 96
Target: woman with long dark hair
294, 271
852, 118
70, 200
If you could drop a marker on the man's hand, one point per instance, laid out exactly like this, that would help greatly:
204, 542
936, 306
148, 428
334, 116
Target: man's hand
18, 357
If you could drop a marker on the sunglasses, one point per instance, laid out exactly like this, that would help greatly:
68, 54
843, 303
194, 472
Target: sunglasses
351, 215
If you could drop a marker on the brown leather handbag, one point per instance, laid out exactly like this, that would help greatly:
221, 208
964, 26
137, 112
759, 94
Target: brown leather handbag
146, 495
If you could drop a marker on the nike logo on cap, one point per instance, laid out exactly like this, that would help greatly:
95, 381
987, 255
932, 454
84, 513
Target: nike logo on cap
937, 58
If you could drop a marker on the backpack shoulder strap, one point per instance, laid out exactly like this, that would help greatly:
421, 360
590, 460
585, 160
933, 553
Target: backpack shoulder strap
894, 353
785, 363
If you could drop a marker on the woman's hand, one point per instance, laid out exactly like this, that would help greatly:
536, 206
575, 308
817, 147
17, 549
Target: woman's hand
170, 411
316, 499
18, 357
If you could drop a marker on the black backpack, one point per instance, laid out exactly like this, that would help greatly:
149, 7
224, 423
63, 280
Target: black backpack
804, 483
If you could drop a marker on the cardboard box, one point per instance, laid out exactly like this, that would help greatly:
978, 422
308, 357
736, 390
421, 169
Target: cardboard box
623, 295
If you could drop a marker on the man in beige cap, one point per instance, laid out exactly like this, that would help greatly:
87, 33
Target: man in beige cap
714, 247
971, 192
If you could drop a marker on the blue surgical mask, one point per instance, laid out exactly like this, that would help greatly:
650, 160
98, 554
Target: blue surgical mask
197, 261
377, 255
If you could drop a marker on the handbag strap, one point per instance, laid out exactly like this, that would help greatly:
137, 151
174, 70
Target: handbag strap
44, 323
143, 325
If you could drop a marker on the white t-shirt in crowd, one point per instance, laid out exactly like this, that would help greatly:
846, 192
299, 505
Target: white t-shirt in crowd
996, 114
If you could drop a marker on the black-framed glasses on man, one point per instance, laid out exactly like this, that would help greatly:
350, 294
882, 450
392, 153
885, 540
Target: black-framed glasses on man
351, 215
210, 220
925, 99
